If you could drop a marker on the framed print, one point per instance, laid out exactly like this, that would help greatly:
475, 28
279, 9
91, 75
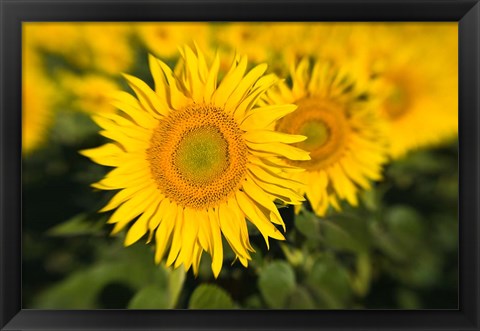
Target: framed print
242, 165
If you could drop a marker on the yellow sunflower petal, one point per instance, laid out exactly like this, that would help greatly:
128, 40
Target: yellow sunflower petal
148, 99
164, 232
229, 82
268, 136
211, 83
196, 257
246, 83
132, 108
204, 232
260, 197
177, 239
256, 216
158, 77
176, 98
258, 90
189, 236
140, 227
263, 117
231, 230
129, 210
287, 151
123, 196
108, 154
217, 251
196, 85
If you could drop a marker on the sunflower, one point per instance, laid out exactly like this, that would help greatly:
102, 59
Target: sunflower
291, 41
59, 38
194, 160
108, 45
244, 36
163, 38
419, 105
90, 92
345, 133
418, 84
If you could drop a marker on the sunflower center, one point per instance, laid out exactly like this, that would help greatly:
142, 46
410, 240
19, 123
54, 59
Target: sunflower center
202, 155
161, 34
325, 125
317, 133
397, 102
197, 156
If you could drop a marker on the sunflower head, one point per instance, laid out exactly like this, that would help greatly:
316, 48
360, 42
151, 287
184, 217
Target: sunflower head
109, 46
195, 159
345, 134
416, 85
90, 93
163, 38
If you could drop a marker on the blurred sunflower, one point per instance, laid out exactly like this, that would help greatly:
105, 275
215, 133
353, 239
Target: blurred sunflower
91, 93
108, 44
38, 99
419, 88
162, 39
346, 137
291, 41
417, 85
60, 38
250, 38
193, 160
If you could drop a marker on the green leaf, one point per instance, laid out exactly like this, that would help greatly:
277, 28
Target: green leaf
386, 244
408, 299
337, 234
294, 256
307, 224
209, 296
405, 224
360, 280
301, 299
132, 267
330, 282
150, 297
257, 257
370, 199
76, 226
423, 271
72, 128
445, 233
80, 290
276, 283
253, 302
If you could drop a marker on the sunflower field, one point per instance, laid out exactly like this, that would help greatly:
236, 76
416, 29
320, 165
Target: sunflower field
170, 165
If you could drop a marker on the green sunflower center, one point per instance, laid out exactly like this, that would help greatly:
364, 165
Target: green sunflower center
317, 133
198, 156
397, 102
202, 155
400, 86
325, 124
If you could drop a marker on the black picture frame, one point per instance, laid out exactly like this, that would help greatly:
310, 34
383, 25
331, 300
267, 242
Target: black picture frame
14, 12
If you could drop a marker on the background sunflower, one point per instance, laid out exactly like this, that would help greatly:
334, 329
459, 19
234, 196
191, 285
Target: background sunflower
345, 133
